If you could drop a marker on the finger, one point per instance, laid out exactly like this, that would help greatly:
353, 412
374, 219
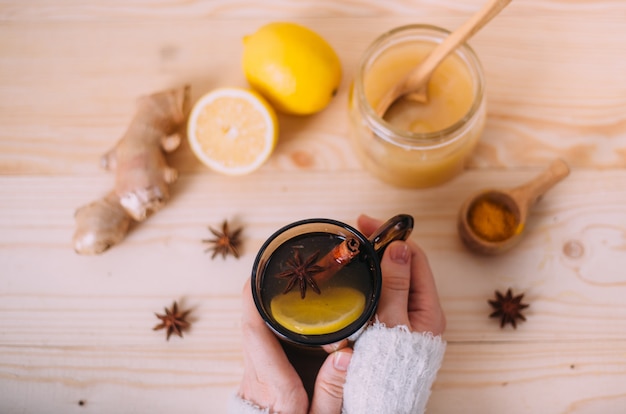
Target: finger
394, 295
330, 348
268, 374
257, 335
328, 393
423, 297
367, 224
422, 279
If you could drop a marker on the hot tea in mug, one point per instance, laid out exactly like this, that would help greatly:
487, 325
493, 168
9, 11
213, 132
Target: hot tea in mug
318, 281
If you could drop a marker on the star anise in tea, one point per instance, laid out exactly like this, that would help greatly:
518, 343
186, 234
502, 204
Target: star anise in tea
173, 321
508, 308
226, 242
301, 272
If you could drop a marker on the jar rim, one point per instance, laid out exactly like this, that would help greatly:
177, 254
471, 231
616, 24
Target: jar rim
401, 136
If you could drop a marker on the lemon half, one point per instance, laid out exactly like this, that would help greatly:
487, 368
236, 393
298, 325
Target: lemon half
232, 130
332, 310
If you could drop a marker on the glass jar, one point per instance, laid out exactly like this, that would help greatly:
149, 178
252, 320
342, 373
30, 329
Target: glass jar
417, 144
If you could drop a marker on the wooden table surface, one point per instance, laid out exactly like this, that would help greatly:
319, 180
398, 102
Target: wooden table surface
76, 331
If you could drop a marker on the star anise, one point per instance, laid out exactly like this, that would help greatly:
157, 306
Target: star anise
301, 272
173, 321
225, 241
508, 308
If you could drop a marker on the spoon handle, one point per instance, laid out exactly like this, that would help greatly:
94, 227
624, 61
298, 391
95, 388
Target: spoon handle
420, 76
530, 192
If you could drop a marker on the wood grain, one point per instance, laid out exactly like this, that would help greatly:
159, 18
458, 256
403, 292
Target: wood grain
565, 98
76, 332
579, 378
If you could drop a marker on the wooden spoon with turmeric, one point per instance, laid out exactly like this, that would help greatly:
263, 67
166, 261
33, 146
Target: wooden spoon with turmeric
492, 221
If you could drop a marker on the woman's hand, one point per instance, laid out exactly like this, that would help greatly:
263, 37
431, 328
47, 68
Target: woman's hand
409, 295
269, 379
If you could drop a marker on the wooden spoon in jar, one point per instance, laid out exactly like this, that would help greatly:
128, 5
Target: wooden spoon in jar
513, 205
415, 85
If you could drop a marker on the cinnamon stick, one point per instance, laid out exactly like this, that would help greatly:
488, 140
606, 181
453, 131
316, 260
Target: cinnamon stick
337, 258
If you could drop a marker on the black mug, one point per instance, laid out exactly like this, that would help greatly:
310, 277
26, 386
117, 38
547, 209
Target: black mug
318, 281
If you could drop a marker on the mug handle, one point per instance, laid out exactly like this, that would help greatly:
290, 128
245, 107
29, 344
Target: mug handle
396, 228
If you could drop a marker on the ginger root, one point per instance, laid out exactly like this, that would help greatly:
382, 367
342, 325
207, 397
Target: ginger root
142, 175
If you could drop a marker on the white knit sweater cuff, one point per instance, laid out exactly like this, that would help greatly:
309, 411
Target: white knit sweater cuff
392, 371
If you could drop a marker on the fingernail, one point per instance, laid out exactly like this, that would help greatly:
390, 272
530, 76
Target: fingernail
342, 360
399, 253
335, 346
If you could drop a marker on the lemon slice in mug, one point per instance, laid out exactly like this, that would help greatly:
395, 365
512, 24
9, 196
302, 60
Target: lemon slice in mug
332, 310
232, 130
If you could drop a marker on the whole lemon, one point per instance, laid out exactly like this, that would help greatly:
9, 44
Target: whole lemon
292, 66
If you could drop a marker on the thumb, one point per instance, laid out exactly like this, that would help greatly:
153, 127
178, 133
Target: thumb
328, 392
394, 295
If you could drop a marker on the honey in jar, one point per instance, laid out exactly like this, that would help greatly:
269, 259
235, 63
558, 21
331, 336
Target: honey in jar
417, 144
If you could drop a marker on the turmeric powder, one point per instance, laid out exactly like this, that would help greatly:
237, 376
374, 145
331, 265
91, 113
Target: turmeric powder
492, 221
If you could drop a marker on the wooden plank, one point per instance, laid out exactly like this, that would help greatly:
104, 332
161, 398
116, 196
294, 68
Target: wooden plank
569, 263
132, 379
70, 10
59, 120
581, 377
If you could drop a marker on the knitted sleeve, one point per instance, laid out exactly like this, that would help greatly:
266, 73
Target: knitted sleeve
392, 371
